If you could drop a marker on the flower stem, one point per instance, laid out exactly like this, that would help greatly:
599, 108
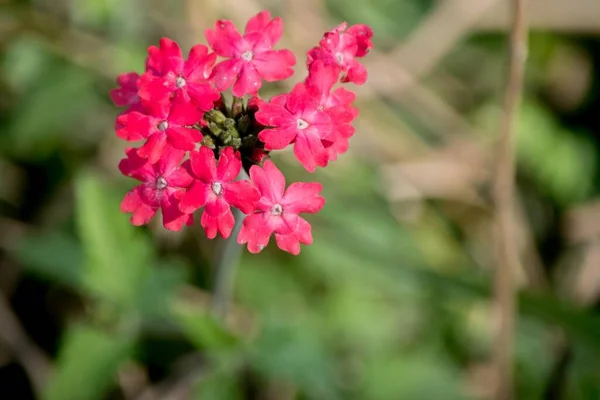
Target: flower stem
227, 260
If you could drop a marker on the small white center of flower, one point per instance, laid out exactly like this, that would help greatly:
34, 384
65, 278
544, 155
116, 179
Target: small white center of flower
217, 188
161, 183
339, 57
247, 55
276, 209
163, 126
180, 82
301, 124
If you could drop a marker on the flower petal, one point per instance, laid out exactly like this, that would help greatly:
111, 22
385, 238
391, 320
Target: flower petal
203, 164
229, 165
288, 242
309, 150
258, 22
169, 160
173, 218
303, 197
274, 65
248, 81
224, 39
242, 195
269, 181
225, 73
142, 211
269, 35
217, 215
133, 126
194, 198
153, 147
183, 138
199, 63
254, 232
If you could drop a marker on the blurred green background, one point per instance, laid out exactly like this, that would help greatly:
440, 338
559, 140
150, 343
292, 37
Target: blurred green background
392, 301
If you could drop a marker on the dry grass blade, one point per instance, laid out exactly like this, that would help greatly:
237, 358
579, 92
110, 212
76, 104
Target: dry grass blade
504, 189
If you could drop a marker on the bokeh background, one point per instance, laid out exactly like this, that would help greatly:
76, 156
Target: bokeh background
392, 301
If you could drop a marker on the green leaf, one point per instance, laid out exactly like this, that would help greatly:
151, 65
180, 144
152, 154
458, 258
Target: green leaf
218, 385
53, 256
87, 364
158, 289
118, 256
296, 354
48, 116
202, 329
412, 376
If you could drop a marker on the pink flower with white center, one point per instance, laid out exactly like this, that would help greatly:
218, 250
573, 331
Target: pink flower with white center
277, 211
169, 124
337, 104
214, 189
296, 117
169, 75
126, 93
251, 57
162, 186
341, 47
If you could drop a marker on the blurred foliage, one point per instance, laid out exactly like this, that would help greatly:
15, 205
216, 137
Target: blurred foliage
392, 301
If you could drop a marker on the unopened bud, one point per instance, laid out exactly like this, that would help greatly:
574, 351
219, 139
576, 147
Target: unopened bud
237, 107
215, 129
259, 155
215, 116
208, 142
249, 141
243, 123
229, 123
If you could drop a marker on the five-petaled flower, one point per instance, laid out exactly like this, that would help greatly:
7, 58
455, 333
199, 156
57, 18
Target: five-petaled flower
214, 189
168, 75
342, 47
251, 57
160, 125
162, 186
336, 103
277, 211
198, 148
296, 117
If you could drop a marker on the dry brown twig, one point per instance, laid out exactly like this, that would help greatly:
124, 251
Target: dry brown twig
36, 364
504, 227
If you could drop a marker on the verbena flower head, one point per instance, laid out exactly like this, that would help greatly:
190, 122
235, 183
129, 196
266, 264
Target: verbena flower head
195, 149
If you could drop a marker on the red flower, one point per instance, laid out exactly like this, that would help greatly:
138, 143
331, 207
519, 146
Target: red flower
251, 57
216, 190
162, 186
126, 93
161, 125
342, 48
277, 212
168, 74
296, 117
337, 104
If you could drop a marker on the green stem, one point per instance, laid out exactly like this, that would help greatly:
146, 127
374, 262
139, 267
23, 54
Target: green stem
228, 258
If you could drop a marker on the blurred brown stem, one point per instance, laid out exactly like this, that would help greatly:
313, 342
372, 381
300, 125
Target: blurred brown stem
503, 191
34, 361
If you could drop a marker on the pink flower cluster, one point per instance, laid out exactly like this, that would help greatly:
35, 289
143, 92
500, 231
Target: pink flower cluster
197, 150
